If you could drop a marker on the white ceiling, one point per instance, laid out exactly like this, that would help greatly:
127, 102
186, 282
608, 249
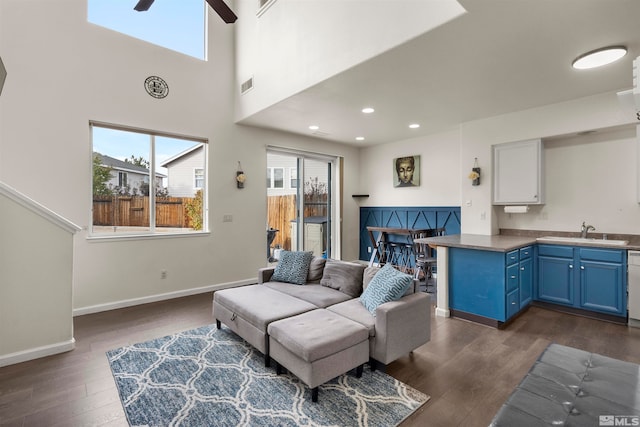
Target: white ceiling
501, 56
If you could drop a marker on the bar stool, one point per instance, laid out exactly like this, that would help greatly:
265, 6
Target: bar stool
425, 257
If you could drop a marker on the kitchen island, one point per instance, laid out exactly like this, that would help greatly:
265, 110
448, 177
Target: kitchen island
491, 278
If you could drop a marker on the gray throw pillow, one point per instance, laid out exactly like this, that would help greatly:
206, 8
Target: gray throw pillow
293, 267
315, 269
369, 272
343, 276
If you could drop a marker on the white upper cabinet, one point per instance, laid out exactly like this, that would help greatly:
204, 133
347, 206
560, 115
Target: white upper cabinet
518, 173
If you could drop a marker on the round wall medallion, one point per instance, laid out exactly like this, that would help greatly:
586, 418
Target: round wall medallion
156, 87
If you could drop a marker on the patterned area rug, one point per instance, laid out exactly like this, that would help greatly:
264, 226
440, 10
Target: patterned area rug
210, 377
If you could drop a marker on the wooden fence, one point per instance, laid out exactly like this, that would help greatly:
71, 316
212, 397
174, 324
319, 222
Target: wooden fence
281, 210
133, 211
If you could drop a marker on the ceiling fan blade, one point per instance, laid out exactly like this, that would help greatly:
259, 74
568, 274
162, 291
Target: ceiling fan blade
143, 5
223, 10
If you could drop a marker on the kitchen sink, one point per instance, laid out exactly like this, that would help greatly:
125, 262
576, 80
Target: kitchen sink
560, 239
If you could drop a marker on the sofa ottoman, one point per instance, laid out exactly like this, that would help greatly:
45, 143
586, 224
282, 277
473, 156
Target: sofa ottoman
318, 346
248, 310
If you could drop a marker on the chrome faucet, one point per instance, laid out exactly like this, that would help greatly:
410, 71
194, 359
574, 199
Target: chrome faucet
585, 230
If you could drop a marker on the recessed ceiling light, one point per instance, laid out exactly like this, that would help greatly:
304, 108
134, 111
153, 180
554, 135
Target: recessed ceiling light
414, 125
314, 127
368, 110
359, 138
599, 57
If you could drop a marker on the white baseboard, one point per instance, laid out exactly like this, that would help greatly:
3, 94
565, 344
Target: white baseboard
159, 297
441, 312
36, 353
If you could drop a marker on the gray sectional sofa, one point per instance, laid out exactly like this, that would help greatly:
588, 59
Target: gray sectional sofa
394, 329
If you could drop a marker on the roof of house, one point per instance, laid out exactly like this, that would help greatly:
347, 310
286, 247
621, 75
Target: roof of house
123, 165
180, 155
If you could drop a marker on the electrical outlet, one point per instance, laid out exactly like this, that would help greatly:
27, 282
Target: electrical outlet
163, 274
227, 218
369, 249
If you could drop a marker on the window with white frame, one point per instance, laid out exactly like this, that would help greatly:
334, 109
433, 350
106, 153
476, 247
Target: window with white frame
146, 182
275, 177
293, 178
122, 179
278, 177
198, 180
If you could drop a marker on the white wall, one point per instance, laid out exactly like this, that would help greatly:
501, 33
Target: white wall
63, 72
35, 281
289, 48
440, 176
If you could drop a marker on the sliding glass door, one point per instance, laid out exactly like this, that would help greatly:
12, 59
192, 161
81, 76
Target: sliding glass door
301, 210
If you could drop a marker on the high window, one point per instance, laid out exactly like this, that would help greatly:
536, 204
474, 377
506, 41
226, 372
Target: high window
147, 183
176, 25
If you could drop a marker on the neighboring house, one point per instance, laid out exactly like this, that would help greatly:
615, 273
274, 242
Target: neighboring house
125, 174
185, 172
282, 174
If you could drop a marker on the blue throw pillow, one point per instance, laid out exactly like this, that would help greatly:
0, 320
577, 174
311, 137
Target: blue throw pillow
293, 267
387, 285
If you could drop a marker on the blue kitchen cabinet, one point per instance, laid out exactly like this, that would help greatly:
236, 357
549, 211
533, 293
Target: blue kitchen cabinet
555, 274
603, 280
525, 275
586, 278
477, 282
491, 284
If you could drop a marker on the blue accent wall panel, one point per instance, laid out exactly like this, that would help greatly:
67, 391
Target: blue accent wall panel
406, 217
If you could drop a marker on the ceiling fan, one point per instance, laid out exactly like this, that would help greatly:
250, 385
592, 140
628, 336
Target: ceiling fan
219, 6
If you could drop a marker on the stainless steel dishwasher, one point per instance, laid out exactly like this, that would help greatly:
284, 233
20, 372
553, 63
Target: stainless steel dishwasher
633, 263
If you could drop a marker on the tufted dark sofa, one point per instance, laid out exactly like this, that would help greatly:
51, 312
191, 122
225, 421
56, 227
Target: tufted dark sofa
571, 387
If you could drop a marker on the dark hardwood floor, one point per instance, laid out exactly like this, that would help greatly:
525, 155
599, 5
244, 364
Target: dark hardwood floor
467, 369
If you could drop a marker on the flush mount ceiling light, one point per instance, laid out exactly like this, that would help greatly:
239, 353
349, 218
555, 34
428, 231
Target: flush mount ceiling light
314, 127
359, 138
599, 57
368, 110
414, 125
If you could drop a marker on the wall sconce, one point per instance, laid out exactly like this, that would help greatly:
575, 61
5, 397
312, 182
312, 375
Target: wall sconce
240, 177
474, 176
